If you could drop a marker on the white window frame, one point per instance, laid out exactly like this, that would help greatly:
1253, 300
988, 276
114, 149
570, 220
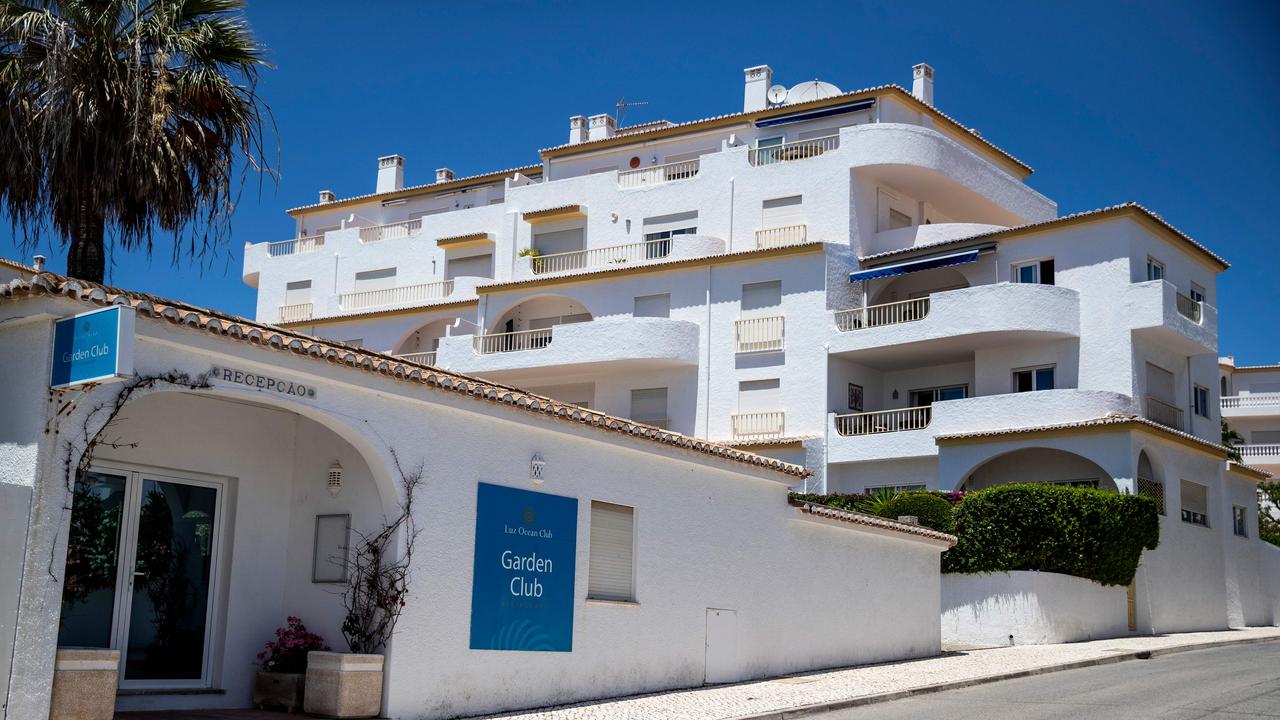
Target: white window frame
1239, 521
1037, 268
1190, 515
1198, 407
1033, 369
1197, 292
1155, 269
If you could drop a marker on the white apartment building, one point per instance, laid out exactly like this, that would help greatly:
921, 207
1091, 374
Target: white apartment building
1251, 406
843, 279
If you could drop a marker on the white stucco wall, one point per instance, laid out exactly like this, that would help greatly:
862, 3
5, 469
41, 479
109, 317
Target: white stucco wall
1029, 608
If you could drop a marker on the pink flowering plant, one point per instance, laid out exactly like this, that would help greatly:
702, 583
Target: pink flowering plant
288, 652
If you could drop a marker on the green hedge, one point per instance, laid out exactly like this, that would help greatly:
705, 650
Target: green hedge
931, 509
1076, 531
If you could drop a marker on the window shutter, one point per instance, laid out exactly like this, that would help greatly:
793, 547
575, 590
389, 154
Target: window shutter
380, 279
474, 266
653, 306
761, 295
649, 404
611, 575
759, 395
297, 292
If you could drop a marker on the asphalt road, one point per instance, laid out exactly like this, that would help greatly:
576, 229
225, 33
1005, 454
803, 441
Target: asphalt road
1224, 683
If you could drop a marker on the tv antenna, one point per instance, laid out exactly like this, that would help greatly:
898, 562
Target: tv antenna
621, 108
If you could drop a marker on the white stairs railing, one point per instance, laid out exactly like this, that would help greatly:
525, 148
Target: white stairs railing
658, 174
883, 314
884, 421
781, 236
395, 296
763, 334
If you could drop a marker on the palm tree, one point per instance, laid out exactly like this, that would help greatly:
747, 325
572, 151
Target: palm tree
126, 115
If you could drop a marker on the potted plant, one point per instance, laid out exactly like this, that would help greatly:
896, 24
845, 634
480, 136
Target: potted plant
529, 252
282, 678
349, 685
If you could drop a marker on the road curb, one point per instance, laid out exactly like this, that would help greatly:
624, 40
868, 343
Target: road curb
824, 707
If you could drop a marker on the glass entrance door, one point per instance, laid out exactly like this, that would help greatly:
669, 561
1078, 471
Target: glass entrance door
141, 571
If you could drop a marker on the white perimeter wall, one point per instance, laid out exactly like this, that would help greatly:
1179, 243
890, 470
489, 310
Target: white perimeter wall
1029, 608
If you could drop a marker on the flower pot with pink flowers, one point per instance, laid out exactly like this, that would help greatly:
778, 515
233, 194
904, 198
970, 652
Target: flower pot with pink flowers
282, 679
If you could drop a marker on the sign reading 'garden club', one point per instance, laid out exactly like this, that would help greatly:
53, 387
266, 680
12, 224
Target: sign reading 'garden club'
92, 347
522, 588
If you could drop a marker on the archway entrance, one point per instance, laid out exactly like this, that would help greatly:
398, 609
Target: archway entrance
1038, 465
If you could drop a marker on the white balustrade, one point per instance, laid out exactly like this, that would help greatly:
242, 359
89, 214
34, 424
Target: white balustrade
759, 424
1188, 308
395, 296
1266, 453
1164, 413
794, 150
297, 312
512, 341
628, 254
296, 246
763, 334
884, 421
883, 314
781, 236
422, 358
1252, 400
390, 231
658, 174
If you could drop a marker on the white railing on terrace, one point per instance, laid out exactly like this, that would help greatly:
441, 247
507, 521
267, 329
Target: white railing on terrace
1188, 308
759, 424
1251, 401
884, 421
1164, 413
390, 231
395, 295
422, 358
781, 236
884, 314
295, 313
1268, 453
794, 150
600, 257
764, 334
658, 174
512, 341
295, 246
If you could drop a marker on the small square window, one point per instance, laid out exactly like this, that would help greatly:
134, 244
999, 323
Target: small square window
1036, 272
1197, 293
1195, 503
1032, 379
1201, 401
1155, 269
1239, 521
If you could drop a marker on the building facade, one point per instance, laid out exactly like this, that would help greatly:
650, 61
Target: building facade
1250, 396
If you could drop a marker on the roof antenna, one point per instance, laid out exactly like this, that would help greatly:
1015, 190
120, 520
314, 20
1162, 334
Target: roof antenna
621, 108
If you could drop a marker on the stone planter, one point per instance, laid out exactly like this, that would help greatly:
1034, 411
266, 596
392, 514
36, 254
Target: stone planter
84, 684
343, 685
278, 690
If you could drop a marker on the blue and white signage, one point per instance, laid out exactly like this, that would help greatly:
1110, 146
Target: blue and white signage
522, 589
92, 347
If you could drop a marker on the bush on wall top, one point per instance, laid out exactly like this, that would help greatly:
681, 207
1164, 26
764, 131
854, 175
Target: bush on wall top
933, 509
1076, 531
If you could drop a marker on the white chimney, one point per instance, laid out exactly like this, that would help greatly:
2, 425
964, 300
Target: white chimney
327, 196
390, 173
922, 83
755, 92
37, 262
443, 175
601, 127
577, 129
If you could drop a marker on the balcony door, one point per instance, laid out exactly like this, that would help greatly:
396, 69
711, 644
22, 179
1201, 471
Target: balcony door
141, 572
928, 396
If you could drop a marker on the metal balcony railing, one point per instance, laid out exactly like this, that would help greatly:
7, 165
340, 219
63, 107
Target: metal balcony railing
759, 424
512, 341
1164, 413
781, 236
883, 314
296, 246
422, 358
390, 231
395, 295
612, 255
764, 334
794, 150
658, 174
297, 312
1188, 308
884, 421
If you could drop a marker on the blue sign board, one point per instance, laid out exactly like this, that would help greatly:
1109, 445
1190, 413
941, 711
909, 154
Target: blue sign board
92, 347
522, 589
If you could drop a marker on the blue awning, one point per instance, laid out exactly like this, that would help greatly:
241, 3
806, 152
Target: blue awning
815, 114
925, 263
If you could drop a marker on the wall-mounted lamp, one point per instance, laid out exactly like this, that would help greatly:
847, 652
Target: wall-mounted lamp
334, 482
895, 393
537, 466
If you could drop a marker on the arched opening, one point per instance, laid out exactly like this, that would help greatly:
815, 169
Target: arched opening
210, 518
1148, 482
1038, 465
540, 313
920, 284
421, 344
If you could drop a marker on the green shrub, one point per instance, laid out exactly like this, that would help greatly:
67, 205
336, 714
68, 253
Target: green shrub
848, 501
931, 509
1076, 531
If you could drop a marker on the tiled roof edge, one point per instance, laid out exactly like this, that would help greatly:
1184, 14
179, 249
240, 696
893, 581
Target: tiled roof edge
1110, 420
874, 521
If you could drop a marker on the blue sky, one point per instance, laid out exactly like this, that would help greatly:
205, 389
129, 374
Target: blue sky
1171, 104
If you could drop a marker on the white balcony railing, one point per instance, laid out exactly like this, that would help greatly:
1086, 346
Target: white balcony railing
658, 174
794, 150
884, 314
781, 236
422, 358
764, 334
512, 341
1164, 413
297, 312
1253, 400
628, 254
295, 246
390, 231
1267, 454
759, 424
884, 421
1188, 308
395, 296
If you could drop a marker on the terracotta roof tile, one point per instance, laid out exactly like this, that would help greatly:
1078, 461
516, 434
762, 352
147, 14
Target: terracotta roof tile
1256, 472
493, 176
1118, 420
874, 521
244, 330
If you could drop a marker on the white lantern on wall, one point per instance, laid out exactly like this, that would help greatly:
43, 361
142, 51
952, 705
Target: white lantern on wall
335, 478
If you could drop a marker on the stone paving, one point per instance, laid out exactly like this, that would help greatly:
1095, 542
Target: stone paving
742, 700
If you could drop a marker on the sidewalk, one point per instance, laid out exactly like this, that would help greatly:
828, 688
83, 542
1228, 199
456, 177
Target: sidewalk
797, 695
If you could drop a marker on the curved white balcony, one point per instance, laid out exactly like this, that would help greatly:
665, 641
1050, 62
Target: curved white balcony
955, 322
1158, 310
1251, 405
564, 350
609, 257
910, 432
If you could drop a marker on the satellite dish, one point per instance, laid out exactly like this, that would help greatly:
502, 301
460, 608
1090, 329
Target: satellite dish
811, 90
777, 94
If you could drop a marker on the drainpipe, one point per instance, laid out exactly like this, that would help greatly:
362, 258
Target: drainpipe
706, 411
